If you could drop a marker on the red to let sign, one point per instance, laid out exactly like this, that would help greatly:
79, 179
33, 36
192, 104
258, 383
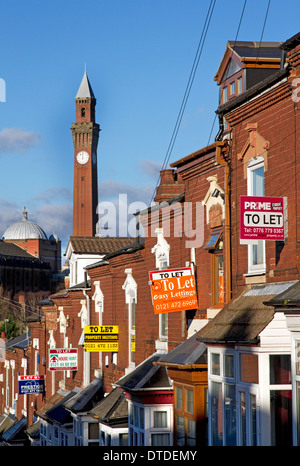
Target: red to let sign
173, 290
262, 218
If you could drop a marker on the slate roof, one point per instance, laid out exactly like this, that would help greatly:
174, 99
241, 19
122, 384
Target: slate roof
58, 413
86, 398
54, 400
289, 298
189, 353
245, 317
146, 375
34, 430
113, 409
16, 432
98, 244
252, 49
22, 341
6, 423
128, 249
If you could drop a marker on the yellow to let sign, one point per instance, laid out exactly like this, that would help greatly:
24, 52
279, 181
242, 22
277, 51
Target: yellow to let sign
101, 338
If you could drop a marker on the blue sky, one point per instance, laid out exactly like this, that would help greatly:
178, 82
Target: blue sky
138, 55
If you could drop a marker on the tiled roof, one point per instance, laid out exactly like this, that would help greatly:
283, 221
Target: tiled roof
98, 244
243, 318
12, 250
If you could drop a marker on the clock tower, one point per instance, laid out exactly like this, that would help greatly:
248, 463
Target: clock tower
85, 133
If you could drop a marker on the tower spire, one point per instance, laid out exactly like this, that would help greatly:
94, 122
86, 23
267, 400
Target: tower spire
85, 90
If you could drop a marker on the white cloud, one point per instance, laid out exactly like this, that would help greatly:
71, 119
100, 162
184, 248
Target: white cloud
110, 189
17, 140
150, 168
54, 194
54, 218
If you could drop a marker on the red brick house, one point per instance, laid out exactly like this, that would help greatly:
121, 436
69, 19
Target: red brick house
250, 346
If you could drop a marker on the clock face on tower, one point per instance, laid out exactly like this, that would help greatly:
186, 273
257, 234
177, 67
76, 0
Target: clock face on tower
82, 157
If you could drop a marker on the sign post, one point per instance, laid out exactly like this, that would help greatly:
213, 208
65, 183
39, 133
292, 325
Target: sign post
173, 290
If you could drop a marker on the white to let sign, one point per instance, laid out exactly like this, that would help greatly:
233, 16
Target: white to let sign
262, 218
63, 359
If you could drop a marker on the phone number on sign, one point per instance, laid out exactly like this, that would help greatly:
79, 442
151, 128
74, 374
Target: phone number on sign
101, 346
175, 305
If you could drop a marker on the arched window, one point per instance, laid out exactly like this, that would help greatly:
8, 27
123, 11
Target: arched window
82, 112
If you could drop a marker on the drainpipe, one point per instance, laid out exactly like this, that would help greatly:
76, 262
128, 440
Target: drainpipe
221, 161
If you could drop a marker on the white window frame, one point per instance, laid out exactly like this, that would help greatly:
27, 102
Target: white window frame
253, 165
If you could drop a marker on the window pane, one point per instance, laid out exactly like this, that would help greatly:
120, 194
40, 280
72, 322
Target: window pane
229, 365
249, 368
191, 432
164, 324
215, 363
298, 411
243, 418
253, 421
258, 182
160, 419
224, 95
297, 357
136, 415
281, 417
280, 369
178, 398
160, 440
189, 401
123, 440
240, 85
180, 435
258, 253
232, 88
141, 418
230, 415
93, 430
219, 280
216, 414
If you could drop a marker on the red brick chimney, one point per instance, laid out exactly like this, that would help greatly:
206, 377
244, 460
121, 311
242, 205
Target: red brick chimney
171, 185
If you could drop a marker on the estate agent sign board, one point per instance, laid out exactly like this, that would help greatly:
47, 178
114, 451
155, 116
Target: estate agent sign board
173, 290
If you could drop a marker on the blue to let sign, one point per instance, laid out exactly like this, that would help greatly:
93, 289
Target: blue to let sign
31, 384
